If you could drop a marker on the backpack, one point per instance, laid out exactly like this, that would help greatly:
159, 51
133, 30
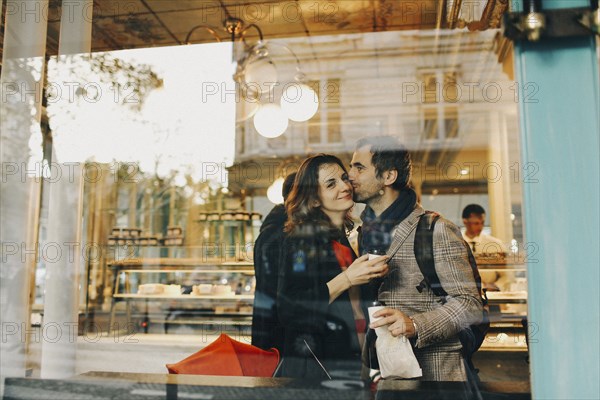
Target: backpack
473, 336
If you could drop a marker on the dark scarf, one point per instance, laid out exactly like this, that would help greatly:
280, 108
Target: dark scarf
376, 232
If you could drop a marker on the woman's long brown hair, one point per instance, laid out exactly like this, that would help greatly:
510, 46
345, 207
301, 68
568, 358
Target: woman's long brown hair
300, 204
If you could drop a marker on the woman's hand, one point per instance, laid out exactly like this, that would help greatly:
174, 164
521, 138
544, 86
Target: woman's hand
399, 323
362, 270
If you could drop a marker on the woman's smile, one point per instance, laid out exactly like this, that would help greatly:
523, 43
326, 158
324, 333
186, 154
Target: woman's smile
346, 197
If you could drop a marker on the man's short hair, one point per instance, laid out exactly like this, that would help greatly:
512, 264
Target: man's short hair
388, 153
287, 185
472, 209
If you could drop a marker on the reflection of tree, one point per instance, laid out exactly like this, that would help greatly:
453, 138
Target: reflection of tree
16, 107
17, 123
82, 90
130, 83
123, 75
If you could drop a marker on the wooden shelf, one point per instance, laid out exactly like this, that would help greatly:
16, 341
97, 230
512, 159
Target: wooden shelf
205, 322
184, 297
501, 267
511, 260
174, 263
507, 297
198, 271
504, 341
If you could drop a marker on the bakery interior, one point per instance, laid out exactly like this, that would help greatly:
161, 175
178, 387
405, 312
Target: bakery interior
178, 171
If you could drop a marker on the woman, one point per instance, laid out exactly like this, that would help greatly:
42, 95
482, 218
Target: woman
320, 278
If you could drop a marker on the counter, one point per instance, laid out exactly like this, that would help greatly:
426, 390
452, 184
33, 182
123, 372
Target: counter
133, 386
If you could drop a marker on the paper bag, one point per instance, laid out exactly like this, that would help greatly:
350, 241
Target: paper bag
395, 354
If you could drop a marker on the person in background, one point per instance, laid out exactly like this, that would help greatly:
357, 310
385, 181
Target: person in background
380, 174
319, 290
266, 330
473, 217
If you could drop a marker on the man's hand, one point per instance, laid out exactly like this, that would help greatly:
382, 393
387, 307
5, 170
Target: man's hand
399, 323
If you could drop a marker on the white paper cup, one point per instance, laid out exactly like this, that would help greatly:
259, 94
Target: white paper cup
373, 310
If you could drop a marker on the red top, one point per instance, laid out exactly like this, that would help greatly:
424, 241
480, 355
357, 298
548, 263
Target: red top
345, 257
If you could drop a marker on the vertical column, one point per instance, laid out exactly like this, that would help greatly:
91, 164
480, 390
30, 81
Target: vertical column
498, 177
132, 214
61, 306
20, 109
147, 209
172, 210
559, 132
96, 230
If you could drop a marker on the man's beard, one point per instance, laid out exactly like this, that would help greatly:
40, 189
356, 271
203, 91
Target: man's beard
365, 197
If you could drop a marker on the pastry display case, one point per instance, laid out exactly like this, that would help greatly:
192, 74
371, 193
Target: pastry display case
162, 292
163, 283
505, 281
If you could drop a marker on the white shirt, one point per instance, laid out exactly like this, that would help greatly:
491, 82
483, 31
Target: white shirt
485, 244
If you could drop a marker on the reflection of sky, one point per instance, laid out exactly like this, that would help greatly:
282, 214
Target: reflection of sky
176, 130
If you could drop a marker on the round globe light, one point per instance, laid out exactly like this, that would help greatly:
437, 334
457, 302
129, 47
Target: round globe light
270, 121
299, 102
246, 108
274, 191
261, 75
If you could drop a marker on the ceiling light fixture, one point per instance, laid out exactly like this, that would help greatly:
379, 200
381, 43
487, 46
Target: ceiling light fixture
257, 75
270, 121
233, 26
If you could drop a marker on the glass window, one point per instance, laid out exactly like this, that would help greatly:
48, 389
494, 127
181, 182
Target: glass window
183, 153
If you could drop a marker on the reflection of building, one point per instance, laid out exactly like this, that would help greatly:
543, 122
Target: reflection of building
445, 95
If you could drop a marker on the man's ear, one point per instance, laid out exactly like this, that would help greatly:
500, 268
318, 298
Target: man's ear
389, 177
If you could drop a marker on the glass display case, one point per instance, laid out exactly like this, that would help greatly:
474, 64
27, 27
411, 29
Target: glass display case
165, 286
505, 282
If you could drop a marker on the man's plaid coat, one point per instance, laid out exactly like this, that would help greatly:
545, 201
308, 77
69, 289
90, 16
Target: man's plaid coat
437, 347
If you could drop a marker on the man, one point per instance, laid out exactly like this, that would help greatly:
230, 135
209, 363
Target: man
266, 331
380, 174
473, 217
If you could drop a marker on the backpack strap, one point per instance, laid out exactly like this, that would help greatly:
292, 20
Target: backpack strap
476, 275
423, 249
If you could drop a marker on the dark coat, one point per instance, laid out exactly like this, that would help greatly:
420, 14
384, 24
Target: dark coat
266, 330
308, 263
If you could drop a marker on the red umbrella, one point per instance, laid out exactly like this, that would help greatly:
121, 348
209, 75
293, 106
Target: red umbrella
228, 357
